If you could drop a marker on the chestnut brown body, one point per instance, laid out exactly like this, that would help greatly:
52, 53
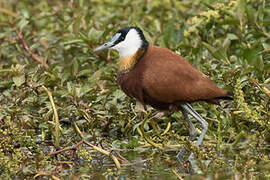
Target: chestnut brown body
165, 80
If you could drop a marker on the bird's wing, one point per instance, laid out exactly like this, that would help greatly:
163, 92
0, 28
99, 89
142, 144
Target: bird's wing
168, 77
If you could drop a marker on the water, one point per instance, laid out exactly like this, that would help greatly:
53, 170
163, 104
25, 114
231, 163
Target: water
155, 166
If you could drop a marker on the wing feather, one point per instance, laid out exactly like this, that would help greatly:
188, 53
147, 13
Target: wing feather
168, 77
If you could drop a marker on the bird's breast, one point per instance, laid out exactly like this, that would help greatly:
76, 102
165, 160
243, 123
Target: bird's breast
130, 83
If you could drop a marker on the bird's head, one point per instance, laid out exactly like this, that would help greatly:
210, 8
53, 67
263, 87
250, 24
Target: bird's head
127, 41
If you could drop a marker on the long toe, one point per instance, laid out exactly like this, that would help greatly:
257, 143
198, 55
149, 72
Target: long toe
194, 166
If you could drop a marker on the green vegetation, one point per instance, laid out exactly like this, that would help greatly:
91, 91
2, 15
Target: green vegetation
55, 92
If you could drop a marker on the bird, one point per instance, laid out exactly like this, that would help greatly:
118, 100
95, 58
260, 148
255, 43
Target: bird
161, 78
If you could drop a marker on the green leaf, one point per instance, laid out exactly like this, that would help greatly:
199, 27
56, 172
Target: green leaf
116, 95
26, 13
76, 25
94, 34
95, 76
22, 23
84, 89
84, 72
260, 14
34, 46
226, 44
75, 67
168, 33
232, 36
251, 55
219, 53
241, 12
250, 14
18, 80
70, 87
72, 41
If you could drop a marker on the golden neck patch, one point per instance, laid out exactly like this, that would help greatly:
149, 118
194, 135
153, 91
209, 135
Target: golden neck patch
127, 63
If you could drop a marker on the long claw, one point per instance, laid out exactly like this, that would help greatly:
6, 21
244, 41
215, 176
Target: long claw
194, 165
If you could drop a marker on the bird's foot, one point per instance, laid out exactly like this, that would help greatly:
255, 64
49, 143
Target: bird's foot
193, 163
194, 166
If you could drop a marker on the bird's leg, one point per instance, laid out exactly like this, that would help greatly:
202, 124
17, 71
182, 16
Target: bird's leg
188, 109
193, 113
192, 134
192, 131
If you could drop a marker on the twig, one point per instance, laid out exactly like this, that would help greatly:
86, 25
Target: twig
238, 138
46, 174
25, 46
263, 89
167, 129
6, 11
177, 175
116, 162
108, 58
56, 119
66, 149
121, 158
140, 129
114, 158
76, 128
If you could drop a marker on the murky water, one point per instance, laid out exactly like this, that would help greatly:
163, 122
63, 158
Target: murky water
165, 166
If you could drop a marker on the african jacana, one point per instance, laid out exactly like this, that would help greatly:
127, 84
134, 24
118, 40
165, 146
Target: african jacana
161, 78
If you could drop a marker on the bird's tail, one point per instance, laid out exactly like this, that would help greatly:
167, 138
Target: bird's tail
229, 96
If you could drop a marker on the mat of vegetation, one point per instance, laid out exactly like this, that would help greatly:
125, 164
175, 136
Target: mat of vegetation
56, 94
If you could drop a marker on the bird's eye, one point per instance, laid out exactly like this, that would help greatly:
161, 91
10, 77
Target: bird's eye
122, 38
